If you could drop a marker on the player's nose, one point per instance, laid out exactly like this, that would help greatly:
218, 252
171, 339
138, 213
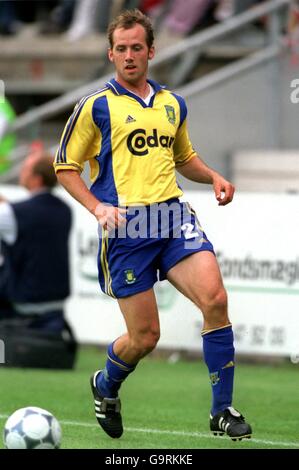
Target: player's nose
129, 55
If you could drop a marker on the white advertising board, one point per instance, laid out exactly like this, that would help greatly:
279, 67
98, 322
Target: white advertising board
256, 239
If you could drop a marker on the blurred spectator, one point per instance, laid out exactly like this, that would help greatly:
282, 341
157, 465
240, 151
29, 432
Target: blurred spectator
8, 17
184, 15
34, 235
293, 16
84, 18
34, 279
224, 10
149, 5
60, 18
6, 308
155, 9
14, 13
293, 31
94, 16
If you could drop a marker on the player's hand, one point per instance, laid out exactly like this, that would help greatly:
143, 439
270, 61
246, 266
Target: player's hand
224, 190
110, 217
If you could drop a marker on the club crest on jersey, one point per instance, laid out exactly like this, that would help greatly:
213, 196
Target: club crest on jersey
214, 377
170, 114
130, 277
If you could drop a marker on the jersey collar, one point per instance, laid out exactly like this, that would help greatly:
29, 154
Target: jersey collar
120, 90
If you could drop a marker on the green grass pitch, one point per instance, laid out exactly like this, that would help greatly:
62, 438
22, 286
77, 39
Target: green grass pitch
165, 406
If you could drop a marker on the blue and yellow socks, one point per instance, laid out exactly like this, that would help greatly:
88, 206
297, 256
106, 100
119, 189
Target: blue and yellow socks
108, 382
218, 349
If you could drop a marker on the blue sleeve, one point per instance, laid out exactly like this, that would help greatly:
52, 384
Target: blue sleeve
183, 108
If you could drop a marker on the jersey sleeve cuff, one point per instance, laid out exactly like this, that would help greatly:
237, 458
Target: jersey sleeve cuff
181, 163
67, 166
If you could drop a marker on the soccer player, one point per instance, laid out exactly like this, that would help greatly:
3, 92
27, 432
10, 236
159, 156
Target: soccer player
134, 134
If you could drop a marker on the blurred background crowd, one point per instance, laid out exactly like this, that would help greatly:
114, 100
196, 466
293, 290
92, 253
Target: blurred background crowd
79, 18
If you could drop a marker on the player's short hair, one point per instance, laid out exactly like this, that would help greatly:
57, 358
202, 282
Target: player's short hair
44, 168
127, 19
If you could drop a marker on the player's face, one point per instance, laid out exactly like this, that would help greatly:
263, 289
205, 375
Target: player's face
130, 55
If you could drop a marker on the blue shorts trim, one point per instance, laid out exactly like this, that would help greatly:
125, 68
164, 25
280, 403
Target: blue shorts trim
123, 292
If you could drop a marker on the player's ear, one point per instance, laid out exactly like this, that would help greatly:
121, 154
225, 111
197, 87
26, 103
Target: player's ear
110, 55
151, 53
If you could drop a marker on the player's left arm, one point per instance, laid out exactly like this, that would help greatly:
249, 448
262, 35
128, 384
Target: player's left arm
192, 167
196, 170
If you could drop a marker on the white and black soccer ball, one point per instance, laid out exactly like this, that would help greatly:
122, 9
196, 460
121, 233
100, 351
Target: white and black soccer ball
32, 428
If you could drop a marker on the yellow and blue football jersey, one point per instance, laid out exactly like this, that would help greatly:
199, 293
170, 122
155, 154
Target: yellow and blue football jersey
132, 148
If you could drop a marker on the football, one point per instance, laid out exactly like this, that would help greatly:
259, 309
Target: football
32, 428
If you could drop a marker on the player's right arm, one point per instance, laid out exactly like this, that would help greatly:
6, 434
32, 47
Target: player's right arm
81, 141
108, 216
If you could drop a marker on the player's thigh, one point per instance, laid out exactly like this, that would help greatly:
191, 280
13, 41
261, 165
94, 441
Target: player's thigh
198, 277
140, 312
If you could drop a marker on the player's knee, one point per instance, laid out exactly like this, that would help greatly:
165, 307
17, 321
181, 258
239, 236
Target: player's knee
216, 303
220, 300
150, 341
145, 343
